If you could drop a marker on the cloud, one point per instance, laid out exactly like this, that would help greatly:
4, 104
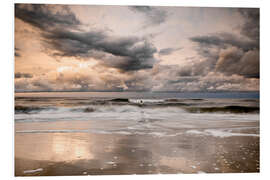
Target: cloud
44, 16
223, 40
226, 61
62, 37
234, 61
123, 53
153, 15
168, 51
251, 27
171, 78
78, 79
23, 75
17, 54
230, 53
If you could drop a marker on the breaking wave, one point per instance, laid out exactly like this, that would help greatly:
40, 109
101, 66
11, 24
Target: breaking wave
133, 106
226, 109
31, 109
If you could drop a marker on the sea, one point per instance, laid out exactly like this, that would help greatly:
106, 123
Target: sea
158, 114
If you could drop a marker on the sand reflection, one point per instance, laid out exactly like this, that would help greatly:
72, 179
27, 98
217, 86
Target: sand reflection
53, 146
68, 148
104, 154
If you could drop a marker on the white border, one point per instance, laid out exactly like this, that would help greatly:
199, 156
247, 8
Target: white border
204, 3
7, 84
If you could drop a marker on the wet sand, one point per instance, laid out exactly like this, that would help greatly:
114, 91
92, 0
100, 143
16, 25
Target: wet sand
53, 154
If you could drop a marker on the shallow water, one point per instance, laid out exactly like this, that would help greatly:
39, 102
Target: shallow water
163, 115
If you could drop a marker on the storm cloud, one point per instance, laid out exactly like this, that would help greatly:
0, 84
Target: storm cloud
251, 27
81, 48
234, 61
123, 53
168, 51
223, 40
63, 37
230, 53
153, 15
44, 16
23, 75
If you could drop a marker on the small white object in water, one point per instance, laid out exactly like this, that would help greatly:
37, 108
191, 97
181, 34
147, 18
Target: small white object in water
84, 172
110, 162
149, 164
115, 157
132, 150
216, 168
32, 171
141, 165
194, 167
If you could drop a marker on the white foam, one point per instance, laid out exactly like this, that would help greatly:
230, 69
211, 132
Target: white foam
32, 171
219, 133
111, 162
222, 134
155, 134
158, 134
194, 132
137, 101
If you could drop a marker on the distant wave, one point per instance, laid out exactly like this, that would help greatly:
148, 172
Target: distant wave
30, 109
228, 109
119, 100
181, 100
85, 109
133, 107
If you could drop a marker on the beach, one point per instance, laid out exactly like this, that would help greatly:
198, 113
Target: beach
96, 154
54, 137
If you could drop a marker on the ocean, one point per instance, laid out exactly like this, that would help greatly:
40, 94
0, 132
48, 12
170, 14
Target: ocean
157, 114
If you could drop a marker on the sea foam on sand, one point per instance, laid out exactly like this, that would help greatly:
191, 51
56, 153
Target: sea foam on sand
219, 133
33, 171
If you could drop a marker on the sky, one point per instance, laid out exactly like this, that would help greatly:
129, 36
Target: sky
135, 48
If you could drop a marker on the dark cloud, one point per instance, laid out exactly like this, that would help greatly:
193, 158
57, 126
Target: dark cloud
153, 15
233, 61
223, 40
251, 27
167, 51
23, 75
172, 78
44, 16
227, 61
123, 53
17, 54
62, 37
229, 53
